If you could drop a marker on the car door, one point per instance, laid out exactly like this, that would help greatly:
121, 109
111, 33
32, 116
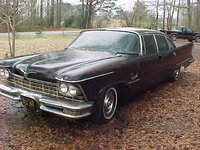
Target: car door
150, 62
188, 34
181, 33
165, 56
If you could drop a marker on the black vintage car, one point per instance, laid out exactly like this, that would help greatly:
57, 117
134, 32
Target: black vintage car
96, 71
183, 33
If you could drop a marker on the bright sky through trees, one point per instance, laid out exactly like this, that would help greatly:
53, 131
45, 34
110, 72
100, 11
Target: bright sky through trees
125, 4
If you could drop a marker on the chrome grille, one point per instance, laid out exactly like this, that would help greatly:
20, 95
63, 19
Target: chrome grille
47, 88
35, 85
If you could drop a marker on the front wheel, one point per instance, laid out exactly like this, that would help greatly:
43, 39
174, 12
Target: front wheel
174, 37
106, 105
197, 39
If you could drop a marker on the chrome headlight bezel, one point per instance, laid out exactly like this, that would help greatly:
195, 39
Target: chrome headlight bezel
63, 88
4, 73
74, 90
70, 90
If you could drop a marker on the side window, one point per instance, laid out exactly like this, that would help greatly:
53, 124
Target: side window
150, 44
170, 44
188, 30
162, 43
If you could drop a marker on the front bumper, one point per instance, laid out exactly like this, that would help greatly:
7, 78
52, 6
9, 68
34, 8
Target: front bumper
69, 109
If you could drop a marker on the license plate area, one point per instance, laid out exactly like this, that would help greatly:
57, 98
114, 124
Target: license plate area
28, 101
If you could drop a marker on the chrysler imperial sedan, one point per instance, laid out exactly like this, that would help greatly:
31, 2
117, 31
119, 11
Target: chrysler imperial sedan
99, 69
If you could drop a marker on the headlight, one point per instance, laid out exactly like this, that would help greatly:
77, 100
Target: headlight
64, 88
69, 90
4, 73
74, 91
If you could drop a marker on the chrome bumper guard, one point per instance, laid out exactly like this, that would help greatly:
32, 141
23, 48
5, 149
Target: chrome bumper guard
68, 109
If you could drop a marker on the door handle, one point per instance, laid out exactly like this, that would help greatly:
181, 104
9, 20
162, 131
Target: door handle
174, 53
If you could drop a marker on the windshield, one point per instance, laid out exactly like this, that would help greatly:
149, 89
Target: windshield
113, 41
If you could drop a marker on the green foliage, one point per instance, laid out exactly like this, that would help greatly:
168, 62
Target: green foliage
6, 55
69, 21
38, 32
74, 21
17, 36
46, 21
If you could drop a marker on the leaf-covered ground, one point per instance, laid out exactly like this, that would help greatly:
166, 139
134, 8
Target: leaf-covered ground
164, 117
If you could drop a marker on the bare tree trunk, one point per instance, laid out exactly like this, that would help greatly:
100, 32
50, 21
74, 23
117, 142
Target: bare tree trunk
172, 16
9, 39
52, 14
83, 13
41, 13
189, 13
198, 14
157, 14
48, 12
58, 13
178, 13
164, 12
169, 15
13, 28
33, 10
90, 15
86, 13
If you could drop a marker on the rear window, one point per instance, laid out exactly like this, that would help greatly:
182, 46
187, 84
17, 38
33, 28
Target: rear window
150, 44
170, 44
162, 43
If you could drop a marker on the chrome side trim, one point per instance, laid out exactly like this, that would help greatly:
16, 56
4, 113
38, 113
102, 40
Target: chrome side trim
191, 60
156, 42
140, 39
134, 81
86, 79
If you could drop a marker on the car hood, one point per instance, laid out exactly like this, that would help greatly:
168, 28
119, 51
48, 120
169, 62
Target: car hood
48, 66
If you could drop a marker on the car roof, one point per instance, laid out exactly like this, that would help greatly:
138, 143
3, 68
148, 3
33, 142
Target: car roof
133, 30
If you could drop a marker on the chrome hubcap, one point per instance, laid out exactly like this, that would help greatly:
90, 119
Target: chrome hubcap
197, 39
173, 38
110, 103
177, 74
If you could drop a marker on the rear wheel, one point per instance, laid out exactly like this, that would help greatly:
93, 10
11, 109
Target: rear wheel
176, 74
173, 37
197, 39
106, 106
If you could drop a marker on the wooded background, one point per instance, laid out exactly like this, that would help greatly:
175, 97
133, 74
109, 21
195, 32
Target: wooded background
38, 15
155, 14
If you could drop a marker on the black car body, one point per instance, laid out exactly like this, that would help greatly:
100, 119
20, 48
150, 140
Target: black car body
183, 33
94, 72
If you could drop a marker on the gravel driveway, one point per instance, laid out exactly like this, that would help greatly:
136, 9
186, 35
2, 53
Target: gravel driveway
164, 117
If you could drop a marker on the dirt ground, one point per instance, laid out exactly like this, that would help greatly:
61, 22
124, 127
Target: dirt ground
164, 117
